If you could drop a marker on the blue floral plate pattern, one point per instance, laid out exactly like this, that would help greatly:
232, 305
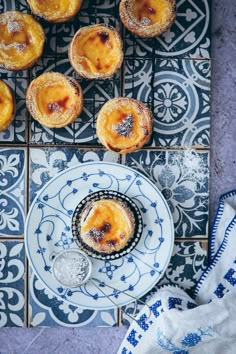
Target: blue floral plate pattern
48, 230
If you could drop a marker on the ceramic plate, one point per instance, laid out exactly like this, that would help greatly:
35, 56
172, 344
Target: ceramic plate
48, 230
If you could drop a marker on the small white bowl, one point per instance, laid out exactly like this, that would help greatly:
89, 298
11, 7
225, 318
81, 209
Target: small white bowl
72, 268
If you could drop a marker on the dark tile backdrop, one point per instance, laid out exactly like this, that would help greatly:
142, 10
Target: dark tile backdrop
172, 75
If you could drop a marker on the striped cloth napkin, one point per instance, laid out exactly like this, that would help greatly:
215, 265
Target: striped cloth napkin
179, 324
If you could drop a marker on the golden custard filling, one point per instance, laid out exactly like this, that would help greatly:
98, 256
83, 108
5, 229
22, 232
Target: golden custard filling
107, 223
150, 12
122, 127
53, 10
54, 98
97, 50
21, 40
50, 6
6, 105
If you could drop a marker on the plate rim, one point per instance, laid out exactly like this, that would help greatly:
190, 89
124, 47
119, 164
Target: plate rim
68, 170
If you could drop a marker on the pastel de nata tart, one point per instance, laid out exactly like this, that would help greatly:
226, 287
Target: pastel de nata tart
96, 51
21, 41
106, 225
7, 106
147, 18
54, 100
55, 10
124, 125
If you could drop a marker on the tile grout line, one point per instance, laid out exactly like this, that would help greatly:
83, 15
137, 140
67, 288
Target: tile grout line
100, 147
27, 208
119, 318
11, 238
179, 239
26, 259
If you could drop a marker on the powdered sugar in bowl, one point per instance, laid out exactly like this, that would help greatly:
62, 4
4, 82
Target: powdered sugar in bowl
72, 268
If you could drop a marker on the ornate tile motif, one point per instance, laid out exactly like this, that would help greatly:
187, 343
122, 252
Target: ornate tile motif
182, 177
188, 37
12, 269
12, 192
44, 308
156, 71
188, 261
178, 92
47, 162
139, 78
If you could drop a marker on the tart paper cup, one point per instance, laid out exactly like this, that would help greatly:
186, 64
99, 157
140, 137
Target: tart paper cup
107, 194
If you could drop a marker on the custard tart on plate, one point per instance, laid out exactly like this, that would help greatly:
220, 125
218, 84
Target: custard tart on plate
124, 125
21, 40
106, 224
96, 51
55, 10
7, 106
147, 18
54, 100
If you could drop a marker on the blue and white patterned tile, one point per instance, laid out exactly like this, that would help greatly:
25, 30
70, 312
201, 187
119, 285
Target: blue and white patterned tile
139, 79
187, 263
47, 310
188, 37
7, 5
178, 92
45, 163
12, 285
12, 192
20, 5
183, 179
82, 131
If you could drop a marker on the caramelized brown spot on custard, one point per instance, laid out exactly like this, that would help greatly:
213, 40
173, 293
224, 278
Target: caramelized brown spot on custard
58, 106
112, 242
104, 36
106, 227
145, 9
98, 65
96, 235
149, 10
28, 39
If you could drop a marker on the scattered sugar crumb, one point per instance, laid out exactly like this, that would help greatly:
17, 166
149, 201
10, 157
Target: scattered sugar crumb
13, 26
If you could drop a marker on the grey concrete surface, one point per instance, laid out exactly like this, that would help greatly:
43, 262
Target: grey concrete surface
223, 115
223, 179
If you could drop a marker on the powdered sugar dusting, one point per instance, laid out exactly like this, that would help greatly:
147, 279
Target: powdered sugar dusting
125, 127
145, 21
71, 268
193, 166
95, 234
14, 26
17, 46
